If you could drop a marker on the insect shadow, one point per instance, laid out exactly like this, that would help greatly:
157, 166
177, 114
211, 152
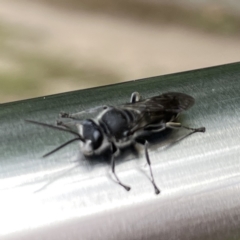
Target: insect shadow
117, 128
91, 162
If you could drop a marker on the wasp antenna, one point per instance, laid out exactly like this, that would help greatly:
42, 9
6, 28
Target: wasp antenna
57, 128
61, 146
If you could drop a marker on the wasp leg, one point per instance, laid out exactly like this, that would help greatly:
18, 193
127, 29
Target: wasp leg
67, 115
64, 115
155, 127
145, 142
66, 126
201, 129
78, 115
176, 125
157, 191
135, 97
60, 123
114, 153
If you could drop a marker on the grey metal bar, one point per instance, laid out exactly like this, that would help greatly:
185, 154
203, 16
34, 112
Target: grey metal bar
65, 197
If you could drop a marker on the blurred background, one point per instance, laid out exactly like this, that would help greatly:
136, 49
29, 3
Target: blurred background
52, 46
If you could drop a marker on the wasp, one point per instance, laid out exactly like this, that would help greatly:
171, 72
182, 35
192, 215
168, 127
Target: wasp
117, 127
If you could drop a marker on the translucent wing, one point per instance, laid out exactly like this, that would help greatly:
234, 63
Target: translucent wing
157, 109
171, 102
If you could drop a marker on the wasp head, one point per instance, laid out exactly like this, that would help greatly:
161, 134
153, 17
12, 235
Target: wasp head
92, 135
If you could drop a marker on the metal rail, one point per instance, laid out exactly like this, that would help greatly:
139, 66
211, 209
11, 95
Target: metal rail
62, 197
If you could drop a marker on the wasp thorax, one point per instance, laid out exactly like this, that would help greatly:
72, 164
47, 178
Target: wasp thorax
115, 122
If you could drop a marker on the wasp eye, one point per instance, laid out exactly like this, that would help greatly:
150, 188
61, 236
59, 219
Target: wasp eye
92, 132
96, 134
97, 139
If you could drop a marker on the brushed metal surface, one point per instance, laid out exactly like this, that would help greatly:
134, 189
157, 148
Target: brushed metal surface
64, 197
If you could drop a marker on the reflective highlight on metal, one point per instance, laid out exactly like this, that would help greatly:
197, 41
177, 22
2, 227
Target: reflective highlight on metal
65, 197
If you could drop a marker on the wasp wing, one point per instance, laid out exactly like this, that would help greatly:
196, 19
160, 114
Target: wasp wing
172, 102
156, 110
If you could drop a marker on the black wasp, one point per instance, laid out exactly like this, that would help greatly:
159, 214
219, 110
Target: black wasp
118, 127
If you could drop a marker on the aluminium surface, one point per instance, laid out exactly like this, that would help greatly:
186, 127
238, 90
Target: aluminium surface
62, 197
